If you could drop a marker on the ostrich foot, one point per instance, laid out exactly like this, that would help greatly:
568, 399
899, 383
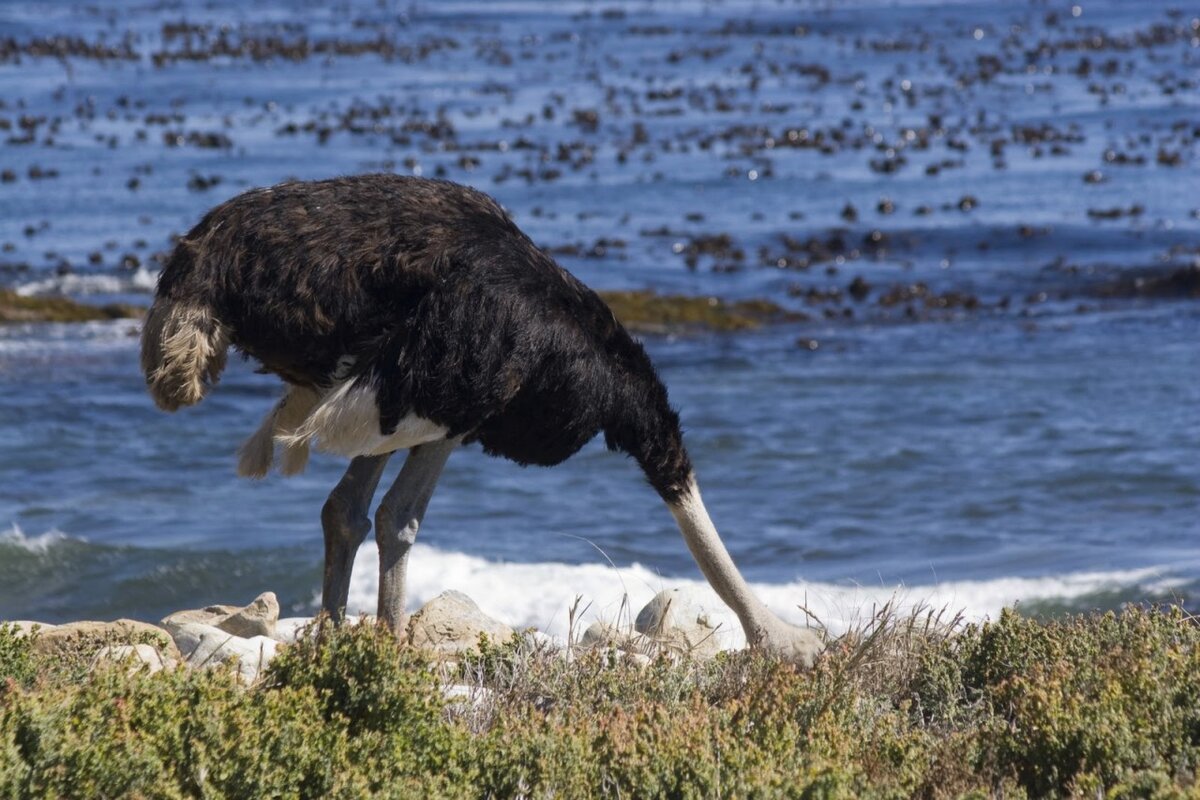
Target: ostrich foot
794, 644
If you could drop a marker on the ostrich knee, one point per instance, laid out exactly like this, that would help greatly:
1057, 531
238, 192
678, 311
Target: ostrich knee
395, 532
345, 524
397, 521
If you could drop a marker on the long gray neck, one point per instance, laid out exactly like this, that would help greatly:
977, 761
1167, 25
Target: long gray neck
716, 564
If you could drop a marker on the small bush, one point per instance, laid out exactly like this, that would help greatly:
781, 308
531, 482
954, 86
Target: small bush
16, 656
1091, 699
1085, 706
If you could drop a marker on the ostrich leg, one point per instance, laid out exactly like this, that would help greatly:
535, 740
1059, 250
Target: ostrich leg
345, 523
397, 519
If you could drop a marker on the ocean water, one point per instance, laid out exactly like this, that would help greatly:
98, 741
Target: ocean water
1006, 415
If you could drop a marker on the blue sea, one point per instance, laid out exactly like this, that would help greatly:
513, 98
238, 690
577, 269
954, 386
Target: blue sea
985, 217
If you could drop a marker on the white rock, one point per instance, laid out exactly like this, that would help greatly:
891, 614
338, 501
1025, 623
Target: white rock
637, 659
54, 639
256, 619
536, 641
675, 620
209, 615
139, 656
465, 701
25, 626
542, 639
599, 634
288, 629
205, 646
475, 695
451, 623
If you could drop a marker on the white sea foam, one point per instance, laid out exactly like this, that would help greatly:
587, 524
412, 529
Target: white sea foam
39, 544
540, 594
38, 339
140, 280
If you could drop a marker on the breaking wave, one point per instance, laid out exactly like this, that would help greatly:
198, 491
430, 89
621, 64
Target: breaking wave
38, 545
541, 595
140, 281
54, 577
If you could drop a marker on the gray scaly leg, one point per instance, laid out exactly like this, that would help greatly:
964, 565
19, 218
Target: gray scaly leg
345, 523
397, 520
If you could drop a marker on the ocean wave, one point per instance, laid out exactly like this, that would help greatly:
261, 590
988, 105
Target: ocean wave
139, 281
541, 595
38, 545
153, 582
40, 339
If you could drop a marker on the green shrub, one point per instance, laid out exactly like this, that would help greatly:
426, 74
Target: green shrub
16, 656
1085, 707
365, 682
1096, 699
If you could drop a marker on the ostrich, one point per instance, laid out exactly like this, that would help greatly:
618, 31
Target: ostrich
406, 313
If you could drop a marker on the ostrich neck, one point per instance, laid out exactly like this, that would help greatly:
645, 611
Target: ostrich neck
709, 551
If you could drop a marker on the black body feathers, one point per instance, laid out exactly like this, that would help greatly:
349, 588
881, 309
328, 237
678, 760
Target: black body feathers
428, 292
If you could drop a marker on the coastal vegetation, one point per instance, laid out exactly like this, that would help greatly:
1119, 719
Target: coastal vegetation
906, 706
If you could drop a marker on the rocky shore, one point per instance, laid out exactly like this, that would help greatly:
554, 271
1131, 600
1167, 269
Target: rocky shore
245, 639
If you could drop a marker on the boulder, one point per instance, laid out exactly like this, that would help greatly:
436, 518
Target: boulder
676, 621
541, 641
605, 635
600, 634
139, 656
640, 660
256, 619
25, 626
206, 646
57, 638
462, 693
288, 629
451, 623
205, 616
465, 702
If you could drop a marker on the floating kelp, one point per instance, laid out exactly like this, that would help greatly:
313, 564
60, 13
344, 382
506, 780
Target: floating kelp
16, 308
649, 312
